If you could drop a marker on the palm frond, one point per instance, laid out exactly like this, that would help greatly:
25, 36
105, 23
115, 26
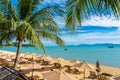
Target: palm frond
25, 22
78, 10
51, 36
9, 10
25, 31
27, 7
47, 12
110, 6
46, 24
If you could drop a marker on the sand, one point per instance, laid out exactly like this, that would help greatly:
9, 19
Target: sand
108, 69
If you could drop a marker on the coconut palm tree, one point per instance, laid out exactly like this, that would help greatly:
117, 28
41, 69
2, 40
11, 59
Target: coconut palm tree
78, 10
27, 22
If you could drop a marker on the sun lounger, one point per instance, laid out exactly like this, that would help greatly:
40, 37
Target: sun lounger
57, 66
92, 75
76, 71
107, 74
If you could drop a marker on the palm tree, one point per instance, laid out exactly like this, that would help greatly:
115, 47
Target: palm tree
78, 10
26, 22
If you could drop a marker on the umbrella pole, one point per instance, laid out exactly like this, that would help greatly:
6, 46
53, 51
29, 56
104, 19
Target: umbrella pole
20, 64
84, 74
33, 66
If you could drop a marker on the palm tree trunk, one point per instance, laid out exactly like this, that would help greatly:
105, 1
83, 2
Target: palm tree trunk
18, 53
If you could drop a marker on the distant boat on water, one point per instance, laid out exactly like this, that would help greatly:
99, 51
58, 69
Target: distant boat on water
66, 49
110, 46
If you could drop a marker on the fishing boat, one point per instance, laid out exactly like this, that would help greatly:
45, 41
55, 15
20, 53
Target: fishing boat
110, 46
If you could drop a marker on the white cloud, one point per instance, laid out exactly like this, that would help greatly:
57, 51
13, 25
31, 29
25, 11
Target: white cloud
92, 38
106, 21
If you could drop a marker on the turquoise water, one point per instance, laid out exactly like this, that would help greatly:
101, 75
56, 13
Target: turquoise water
106, 56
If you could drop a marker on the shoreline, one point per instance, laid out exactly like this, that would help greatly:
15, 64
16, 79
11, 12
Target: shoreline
13, 53
105, 69
106, 56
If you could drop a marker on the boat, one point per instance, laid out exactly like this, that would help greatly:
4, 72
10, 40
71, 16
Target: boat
65, 49
110, 46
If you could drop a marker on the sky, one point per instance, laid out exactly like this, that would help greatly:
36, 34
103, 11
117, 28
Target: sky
103, 29
98, 29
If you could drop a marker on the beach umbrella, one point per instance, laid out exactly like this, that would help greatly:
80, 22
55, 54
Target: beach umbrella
9, 60
30, 55
75, 61
5, 56
12, 57
45, 58
58, 75
23, 60
2, 59
38, 56
84, 65
31, 66
58, 59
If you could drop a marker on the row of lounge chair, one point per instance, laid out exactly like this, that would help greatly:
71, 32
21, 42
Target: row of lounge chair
73, 71
102, 76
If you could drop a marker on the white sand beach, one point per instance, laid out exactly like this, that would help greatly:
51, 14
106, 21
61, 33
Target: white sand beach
104, 69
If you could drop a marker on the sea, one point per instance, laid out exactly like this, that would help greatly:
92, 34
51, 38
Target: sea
89, 53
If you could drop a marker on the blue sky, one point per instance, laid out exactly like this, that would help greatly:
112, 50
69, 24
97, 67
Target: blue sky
104, 29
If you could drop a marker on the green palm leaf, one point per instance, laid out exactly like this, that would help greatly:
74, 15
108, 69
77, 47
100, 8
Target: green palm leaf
78, 10
27, 22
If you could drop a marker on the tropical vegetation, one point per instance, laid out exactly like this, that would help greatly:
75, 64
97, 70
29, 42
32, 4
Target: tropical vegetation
29, 22
79, 10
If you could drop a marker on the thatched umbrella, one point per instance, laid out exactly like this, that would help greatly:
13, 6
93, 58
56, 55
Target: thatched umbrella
75, 61
3, 61
29, 55
58, 75
5, 56
31, 66
9, 60
58, 59
23, 60
84, 65
12, 57
45, 58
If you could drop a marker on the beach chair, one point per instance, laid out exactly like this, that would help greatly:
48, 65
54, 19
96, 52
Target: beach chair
57, 66
69, 70
107, 74
103, 77
76, 71
92, 75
